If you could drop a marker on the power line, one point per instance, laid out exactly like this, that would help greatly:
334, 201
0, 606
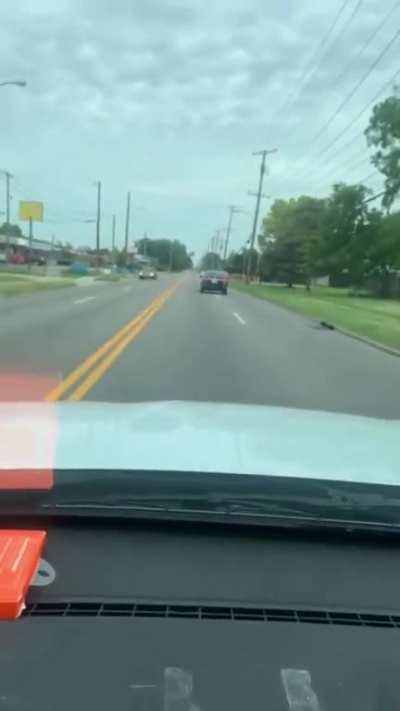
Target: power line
357, 86
375, 173
309, 70
366, 44
348, 126
347, 167
362, 112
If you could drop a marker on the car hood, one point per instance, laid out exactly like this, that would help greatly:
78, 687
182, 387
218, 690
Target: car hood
199, 437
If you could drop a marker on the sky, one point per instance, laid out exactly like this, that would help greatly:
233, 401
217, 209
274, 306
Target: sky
170, 99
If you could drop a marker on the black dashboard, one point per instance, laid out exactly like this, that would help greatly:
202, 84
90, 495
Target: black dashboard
153, 616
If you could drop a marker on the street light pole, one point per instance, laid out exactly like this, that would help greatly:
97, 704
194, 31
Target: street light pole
263, 155
8, 196
98, 218
127, 218
113, 232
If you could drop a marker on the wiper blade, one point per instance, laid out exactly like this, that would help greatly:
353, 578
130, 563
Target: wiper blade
190, 496
211, 505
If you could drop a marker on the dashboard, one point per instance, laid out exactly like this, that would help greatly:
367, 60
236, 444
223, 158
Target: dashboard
153, 616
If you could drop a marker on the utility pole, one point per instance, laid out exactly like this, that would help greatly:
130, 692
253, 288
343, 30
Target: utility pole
113, 233
8, 196
98, 218
8, 200
127, 218
171, 255
30, 242
217, 249
233, 210
263, 155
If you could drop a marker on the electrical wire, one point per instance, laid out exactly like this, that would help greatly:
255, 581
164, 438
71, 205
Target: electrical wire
309, 69
348, 126
370, 175
358, 85
347, 166
366, 44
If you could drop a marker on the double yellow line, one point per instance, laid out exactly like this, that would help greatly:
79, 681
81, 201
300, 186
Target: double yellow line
96, 365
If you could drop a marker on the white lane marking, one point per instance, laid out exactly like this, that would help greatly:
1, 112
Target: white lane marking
239, 318
83, 301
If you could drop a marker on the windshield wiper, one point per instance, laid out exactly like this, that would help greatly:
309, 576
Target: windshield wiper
252, 509
204, 496
185, 504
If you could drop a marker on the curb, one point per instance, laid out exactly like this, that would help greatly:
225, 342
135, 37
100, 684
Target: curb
367, 341
332, 327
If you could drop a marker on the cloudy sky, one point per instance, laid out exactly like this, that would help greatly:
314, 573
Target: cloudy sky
169, 99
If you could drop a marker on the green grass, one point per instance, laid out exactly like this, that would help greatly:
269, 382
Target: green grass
377, 319
108, 277
73, 275
16, 284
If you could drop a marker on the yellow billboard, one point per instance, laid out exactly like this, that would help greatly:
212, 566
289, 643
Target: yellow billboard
30, 210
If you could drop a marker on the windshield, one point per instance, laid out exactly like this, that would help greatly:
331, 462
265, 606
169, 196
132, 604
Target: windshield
200, 224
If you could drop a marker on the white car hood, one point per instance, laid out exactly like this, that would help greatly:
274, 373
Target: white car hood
199, 437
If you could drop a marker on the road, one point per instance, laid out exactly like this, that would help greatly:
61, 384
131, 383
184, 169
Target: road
163, 340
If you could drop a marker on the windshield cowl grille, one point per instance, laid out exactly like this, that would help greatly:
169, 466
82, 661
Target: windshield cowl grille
207, 612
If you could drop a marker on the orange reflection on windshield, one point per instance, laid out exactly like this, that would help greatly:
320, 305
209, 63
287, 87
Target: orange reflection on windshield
28, 432
25, 387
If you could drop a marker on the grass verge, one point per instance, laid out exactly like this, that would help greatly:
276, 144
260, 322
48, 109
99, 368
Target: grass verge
13, 285
108, 277
376, 319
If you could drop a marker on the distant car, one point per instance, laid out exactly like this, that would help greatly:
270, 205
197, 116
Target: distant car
148, 272
214, 281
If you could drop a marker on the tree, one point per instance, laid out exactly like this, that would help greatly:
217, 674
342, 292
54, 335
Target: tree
384, 253
165, 253
235, 263
383, 132
120, 257
290, 239
347, 231
211, 260
10, 230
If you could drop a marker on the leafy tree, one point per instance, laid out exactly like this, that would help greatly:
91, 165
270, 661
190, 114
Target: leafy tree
347, 232
120, 257
384, 253
290, 239
211, 260
383, 132
235, 263
10, 230
168, 254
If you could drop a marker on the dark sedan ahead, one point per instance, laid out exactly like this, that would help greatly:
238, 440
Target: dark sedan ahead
214, 281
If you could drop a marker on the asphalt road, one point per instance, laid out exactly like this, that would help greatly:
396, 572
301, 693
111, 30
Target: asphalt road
187, 346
